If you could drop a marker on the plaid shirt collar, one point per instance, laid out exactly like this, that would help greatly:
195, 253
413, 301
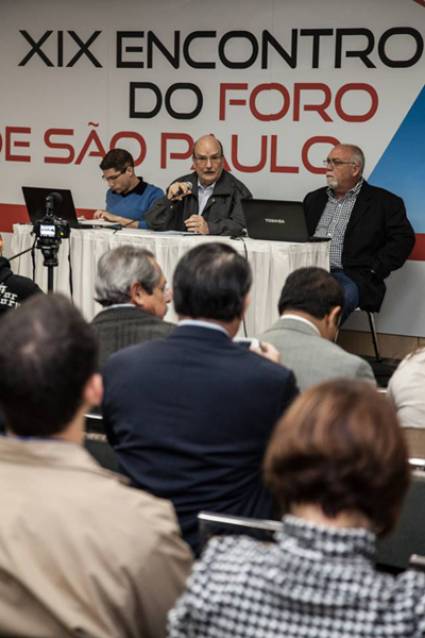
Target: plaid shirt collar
353, 192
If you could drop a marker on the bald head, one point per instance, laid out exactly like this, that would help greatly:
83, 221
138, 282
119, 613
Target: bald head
208, 159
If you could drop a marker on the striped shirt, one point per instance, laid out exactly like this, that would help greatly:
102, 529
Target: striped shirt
334, 221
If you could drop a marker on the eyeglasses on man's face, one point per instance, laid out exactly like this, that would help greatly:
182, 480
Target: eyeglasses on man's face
202, 159
113, 178
336, 163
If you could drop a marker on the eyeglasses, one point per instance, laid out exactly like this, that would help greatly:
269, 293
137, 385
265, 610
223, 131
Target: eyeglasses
113, 178
335, 163
204, 160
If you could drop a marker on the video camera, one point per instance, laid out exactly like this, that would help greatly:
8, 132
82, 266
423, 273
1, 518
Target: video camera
50, 230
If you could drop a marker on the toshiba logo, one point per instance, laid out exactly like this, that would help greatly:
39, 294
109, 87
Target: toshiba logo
268, 220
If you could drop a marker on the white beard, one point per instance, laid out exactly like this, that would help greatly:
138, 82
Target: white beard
332, 182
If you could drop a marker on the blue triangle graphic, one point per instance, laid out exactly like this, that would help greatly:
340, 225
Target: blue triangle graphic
401, 168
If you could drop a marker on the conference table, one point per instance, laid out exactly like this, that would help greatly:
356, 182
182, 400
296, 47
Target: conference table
271, 263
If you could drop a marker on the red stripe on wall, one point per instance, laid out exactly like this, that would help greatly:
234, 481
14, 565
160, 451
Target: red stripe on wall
418, 253
14, 214
17, 214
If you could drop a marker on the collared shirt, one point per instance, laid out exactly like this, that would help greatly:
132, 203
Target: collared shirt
204, 193
314, 582
203, 324
288, 315
334, 221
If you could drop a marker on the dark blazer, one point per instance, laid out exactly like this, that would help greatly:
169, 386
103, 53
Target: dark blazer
378, 239
122, 326
223, 211
189, 418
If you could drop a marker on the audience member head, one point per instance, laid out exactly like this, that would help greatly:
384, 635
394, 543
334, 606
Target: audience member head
344, 167
48, 364
313, 292
129, 274
340, 448
212, 282
208, 159
118, 170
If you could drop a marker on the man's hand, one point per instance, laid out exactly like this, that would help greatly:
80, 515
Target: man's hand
267, 351
178, 190
103, 214
1, 245
197, 224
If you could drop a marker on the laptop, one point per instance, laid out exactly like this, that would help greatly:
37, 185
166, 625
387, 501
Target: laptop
277, 220
63, 207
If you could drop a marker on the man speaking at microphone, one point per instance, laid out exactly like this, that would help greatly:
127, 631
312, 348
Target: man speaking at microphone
207, 201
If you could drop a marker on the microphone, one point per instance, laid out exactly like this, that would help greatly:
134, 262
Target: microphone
182, 192
53, 199
122, 226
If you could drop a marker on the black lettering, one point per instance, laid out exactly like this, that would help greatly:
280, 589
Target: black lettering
173, 58
317, 34
121, 64
36, 48
188, 87
84, 48
238, 34
136, 86
400, 31
186, 54
360, 53
268, 39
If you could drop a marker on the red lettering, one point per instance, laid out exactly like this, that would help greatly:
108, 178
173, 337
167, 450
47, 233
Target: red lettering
234, 101
99, 152
356, 87
274, 168
133, 136
319, 108
68, 148
184, 155
318, 139
12, 143
267, 117
243, 167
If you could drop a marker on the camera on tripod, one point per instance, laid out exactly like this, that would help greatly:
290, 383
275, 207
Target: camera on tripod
49, 232
51, 227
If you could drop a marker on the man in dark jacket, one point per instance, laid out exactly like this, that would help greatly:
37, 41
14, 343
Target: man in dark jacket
189, 416
207, 201
369, 231
14, 289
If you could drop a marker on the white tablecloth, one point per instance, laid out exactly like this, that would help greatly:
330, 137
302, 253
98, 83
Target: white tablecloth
271, 263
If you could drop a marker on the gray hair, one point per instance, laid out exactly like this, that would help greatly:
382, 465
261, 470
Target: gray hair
357, 155
119, 268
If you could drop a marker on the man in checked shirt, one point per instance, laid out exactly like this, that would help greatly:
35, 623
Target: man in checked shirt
368, 228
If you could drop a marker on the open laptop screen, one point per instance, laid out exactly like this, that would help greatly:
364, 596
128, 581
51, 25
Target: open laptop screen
63, 206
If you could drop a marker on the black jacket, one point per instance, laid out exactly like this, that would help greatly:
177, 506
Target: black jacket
223, 211
378, 239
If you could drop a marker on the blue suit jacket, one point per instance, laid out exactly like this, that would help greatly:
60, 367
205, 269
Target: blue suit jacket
190, 417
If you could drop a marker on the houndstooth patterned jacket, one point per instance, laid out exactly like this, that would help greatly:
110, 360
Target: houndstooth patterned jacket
315, 582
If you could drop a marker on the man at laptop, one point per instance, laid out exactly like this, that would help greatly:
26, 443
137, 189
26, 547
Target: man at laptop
128, 196
368, 228
207, 201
